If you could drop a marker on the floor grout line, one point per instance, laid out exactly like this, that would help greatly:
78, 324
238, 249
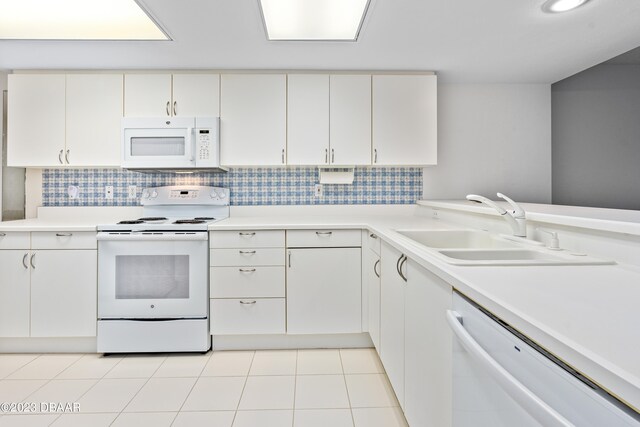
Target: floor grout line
344, 378
246, 378
192, 387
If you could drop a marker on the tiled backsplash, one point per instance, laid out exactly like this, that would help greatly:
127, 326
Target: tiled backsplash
248, 186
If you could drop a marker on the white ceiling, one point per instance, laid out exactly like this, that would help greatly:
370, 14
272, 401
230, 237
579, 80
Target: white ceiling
462, 40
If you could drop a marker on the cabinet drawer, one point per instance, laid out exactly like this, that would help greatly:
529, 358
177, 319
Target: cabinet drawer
323, 238
243, 282
374, 242
63, 240
246, 257
247, 239
14, 240
247, 316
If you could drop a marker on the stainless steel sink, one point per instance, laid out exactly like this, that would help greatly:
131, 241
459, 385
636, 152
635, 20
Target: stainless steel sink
447, 239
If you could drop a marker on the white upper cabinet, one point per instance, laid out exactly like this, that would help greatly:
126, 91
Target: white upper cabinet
147, 95
93, 119
253, 116
350, 120
36, 120
308, 119
64, 120
404, 119
196, 95
329, 119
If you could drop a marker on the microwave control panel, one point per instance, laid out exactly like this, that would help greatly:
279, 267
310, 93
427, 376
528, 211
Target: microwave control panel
203, 144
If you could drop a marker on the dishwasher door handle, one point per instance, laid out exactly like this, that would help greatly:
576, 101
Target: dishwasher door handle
531, 403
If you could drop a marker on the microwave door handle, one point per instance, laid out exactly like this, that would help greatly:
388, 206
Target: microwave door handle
192, 134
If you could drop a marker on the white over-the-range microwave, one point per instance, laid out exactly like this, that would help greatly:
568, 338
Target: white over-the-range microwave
177, 144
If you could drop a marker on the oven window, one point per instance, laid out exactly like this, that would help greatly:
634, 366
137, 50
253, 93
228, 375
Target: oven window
152, 276
158, 146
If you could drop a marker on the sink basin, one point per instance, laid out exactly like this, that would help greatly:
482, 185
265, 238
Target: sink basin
518, 256
459, 239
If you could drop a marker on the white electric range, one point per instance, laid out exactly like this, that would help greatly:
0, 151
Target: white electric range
153, 272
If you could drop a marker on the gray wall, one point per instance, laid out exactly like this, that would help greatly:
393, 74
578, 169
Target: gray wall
596, 137
492, 137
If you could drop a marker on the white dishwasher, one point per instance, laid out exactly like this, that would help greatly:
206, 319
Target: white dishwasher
501, 380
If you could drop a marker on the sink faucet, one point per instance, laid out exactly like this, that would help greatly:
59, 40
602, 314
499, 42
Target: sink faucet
516, 219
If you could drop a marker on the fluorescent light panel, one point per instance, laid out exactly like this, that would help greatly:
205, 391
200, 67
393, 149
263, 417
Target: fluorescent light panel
313, 19
76, 20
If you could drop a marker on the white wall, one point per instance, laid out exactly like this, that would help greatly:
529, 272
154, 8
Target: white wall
3, 86
492, 137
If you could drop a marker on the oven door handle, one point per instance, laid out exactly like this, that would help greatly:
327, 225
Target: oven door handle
141, 237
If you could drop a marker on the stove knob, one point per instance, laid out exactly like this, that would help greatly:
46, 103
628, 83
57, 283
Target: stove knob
154, 194
213, 195
222, 194
145, 194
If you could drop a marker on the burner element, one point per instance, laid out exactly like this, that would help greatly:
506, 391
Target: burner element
153, 218
189, 221
132, 221
204, 218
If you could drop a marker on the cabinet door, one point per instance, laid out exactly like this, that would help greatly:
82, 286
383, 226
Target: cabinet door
63, 293
392, 320
428, 349
253, 115
308, 119
324, 291
373, 279
36, 120
147, 95
196, 95
405, 120
14, 294
93, 119
350, 120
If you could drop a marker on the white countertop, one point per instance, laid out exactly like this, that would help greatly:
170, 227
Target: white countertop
612, 220
585, 315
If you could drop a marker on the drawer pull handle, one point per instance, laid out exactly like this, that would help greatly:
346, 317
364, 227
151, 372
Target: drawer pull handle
60, 157
247, 234
64, 234
3, 234
247, 252
31, 261
324, 233
247, 270
373, 236
375, 268
24, 261
248, 302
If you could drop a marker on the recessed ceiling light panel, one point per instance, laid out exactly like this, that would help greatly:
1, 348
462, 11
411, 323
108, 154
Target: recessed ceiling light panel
557, 6
76, 20
313, 19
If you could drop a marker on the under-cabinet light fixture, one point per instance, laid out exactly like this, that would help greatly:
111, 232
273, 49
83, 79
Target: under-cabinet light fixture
558, 6
313, 20
77, 20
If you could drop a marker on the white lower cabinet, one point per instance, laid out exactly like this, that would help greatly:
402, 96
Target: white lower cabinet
324, 290
48, 292
428, 349
63, 293
372, 272
392, 339
14, 293
247, 316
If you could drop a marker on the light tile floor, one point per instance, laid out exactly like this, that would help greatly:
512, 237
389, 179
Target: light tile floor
287, 388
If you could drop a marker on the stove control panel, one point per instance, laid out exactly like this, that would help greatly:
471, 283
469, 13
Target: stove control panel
185, 195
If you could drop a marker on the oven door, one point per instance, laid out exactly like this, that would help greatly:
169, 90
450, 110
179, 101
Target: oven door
152, 276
